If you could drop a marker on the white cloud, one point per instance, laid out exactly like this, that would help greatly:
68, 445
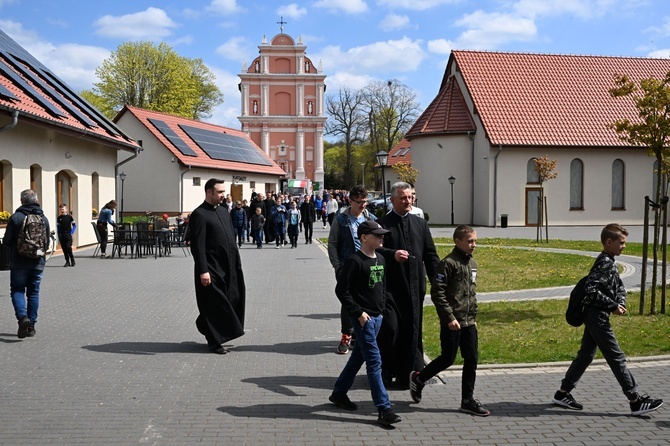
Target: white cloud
584, 9
660, 54
418, 5
342, 79
394, 21
347, 6
226, 114
225, 7
490, 30
236, 48
293, 11
153, 23
381, 58
440, 46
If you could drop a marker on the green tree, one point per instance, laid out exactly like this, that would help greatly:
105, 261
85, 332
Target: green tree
156, 78
103, 105
406, 173
652, 131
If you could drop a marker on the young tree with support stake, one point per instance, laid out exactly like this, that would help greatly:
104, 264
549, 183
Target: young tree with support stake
652, 131
546, 170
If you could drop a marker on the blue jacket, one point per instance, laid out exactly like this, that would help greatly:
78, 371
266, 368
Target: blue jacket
340, 239
238, 217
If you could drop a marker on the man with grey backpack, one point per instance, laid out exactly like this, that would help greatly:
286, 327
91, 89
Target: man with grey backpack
26, 237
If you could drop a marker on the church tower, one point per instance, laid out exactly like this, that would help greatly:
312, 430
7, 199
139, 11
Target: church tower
283, 107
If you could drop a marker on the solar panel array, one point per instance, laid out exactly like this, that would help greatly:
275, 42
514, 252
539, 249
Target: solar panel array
171, 136
222, 146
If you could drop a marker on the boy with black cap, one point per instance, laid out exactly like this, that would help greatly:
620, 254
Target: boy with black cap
361, 287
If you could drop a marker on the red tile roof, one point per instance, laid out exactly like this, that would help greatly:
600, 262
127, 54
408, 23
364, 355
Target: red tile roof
37, 94
547, 100
401, 153
201, 159
448, 113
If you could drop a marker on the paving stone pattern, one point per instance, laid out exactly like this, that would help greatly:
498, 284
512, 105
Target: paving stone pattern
117, 360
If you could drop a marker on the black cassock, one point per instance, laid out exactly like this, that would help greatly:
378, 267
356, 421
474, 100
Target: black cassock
222, 303
399, 340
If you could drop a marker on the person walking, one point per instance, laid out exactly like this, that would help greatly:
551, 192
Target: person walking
308, 216
65, 227
257, 224
105, 218
453, 292
293, 219
331, 210
343, 241
361, 288
26, 270
410, 254
219, 282
238, 217
605, 295
278, 213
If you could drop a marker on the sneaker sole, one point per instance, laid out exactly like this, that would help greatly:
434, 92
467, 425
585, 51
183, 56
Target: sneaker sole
388, 423
566, 405
637, 413
413, 392
477, 414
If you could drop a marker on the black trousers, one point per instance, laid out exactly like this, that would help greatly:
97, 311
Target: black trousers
66, 245
309, 229
467, 340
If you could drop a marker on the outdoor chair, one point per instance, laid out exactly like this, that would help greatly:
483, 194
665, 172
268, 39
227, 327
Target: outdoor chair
123, 238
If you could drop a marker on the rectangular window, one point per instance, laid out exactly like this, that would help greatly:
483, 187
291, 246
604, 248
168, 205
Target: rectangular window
252, 184
196, 181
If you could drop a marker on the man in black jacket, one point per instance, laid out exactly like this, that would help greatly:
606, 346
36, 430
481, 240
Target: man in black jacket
308, 217
25, 273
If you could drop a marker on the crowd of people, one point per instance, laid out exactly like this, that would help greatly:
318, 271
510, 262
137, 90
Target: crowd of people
380, 266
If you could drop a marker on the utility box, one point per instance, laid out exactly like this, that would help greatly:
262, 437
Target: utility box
503, 220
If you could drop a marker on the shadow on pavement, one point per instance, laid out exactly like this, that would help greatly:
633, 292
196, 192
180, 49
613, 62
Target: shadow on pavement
303, 412
284, 385
318, 317
306, 348
527, 410
148, 348
13, 339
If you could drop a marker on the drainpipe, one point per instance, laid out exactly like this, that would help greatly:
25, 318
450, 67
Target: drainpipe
472, 178
495, 186
181, 201
11, 125
116, 168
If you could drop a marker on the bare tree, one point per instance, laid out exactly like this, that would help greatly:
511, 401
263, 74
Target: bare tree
347, 121
392, 109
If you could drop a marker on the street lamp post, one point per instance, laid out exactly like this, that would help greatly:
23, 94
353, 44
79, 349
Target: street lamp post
122, 175
363, 174
382, 159
452, 180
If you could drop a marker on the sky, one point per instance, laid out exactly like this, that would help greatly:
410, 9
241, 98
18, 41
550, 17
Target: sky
357, 41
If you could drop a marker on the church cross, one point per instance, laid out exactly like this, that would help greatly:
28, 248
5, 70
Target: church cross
281, 24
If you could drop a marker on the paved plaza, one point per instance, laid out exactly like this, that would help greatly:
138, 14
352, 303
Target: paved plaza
117, 360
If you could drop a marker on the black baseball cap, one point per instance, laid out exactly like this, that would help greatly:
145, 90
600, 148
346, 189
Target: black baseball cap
371, 227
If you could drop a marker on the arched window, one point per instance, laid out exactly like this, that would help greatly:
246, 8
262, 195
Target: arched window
618, 190
95, 192
576, 184
532, 176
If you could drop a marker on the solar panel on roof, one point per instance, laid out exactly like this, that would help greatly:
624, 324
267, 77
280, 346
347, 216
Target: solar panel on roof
222, 146
6, 93
171, 136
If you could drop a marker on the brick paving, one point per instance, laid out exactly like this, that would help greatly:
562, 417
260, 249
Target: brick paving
117, 360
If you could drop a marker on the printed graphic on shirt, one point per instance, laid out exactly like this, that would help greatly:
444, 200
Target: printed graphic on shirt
439, 278
376, 275
474, 275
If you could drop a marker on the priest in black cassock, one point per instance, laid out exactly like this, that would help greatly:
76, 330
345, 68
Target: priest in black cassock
410, 253
219, 282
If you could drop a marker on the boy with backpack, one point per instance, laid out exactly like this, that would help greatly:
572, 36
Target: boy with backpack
26, 237
604, 294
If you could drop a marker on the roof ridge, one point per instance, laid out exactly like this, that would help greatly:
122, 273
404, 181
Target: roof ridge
531, 53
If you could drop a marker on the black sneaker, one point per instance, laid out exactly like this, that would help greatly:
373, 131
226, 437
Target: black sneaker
342, 401
415, 387
343, 348
566, 400
644, 404
387, 417
31, 331
474, 407
24, 324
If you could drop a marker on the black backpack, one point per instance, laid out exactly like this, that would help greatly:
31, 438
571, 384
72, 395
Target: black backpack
574, 314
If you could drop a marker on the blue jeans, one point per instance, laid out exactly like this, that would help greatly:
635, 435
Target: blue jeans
365, 350
24, 285
239, 234
259, 237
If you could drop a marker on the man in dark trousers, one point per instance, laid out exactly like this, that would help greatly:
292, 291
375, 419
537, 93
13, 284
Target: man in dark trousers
308, 217
410, 253
219, 282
